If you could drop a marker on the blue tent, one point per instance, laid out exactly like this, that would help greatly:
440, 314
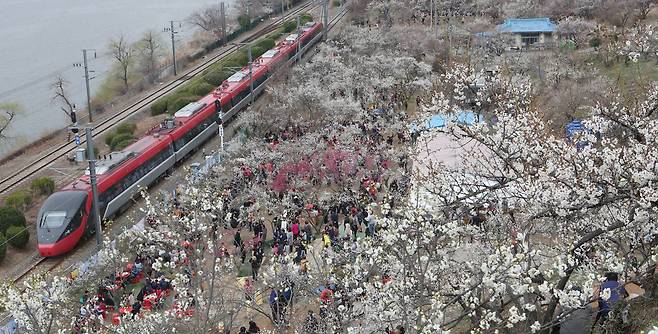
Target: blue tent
469, 118
574, 127
439, 120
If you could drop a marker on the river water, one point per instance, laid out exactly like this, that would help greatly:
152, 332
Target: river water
40, 39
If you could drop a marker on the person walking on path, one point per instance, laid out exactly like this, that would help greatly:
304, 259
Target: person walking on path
615, 292
253, 328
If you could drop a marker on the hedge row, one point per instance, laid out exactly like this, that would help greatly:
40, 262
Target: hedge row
43, 186
121, 137
20, 199
219, 72
13, 229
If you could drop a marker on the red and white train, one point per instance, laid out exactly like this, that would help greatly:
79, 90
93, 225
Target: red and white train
65, 216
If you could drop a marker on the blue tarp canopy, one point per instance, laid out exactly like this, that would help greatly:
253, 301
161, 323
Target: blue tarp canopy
439, 120
574, 127
436, 121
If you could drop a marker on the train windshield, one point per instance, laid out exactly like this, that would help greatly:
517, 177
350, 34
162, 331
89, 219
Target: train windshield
54, 219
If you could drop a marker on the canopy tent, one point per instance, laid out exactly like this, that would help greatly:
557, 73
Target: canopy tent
440, 120
574, 127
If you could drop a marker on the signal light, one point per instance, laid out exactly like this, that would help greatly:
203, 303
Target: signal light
218, 109
74, 121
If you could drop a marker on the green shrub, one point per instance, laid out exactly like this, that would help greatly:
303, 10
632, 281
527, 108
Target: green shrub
336, 3
265, 43
10, 217
109, 137
257, 51
159, 107
306, 17
120, 138
181, 102
595, 42
3, 247
43, 186
244, 21
203, 88
18, 236
238, 59
289, 26
216, 78
123, 144
126, 128
19, 200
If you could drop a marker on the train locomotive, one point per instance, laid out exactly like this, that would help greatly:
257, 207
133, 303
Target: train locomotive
65, 217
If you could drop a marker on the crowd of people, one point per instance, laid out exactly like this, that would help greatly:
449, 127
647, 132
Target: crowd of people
363, 174
127, 293
336, 224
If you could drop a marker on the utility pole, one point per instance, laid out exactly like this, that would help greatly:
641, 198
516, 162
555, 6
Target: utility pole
298, 56
84, 56
251, 81
223, 12
173, 42
173, 45
283, 13
325, 8
85, 64
94, 186
432, 15
92, 176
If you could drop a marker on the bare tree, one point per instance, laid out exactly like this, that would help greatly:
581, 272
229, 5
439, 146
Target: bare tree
123, 53
150, 52
8, 112
576, 30
644, 7
208, 19
61, 96
253, 8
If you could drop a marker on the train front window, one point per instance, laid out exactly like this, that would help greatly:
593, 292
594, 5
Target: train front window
54, 219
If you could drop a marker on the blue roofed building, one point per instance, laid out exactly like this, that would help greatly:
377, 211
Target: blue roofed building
534, 32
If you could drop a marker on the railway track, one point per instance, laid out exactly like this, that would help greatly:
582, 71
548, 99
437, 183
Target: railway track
49, 264
43, 162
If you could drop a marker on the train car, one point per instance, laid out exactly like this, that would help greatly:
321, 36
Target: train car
195, 123
273, 59
63, 220
138, 165
309, 30
65, 216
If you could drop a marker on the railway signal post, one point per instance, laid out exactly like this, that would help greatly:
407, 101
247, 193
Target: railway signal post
220, 122
92, 179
